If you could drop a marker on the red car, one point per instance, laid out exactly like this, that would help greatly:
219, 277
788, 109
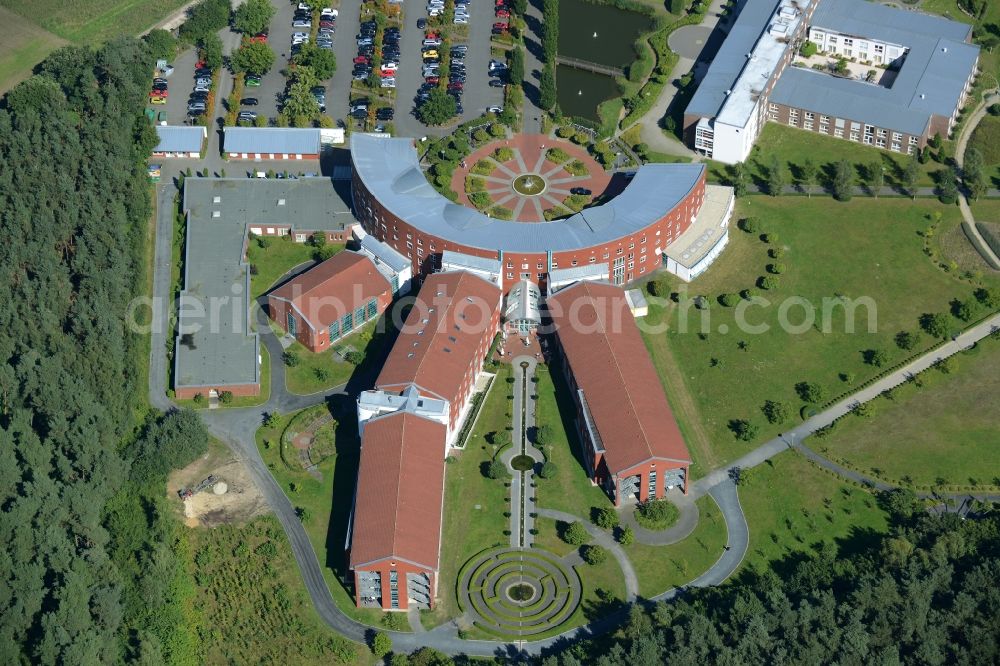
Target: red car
456, 86
433, 80
259, 37
500, 26
326, 24
501, 3
503, 13
387, 73
361, 60
200, 65
159, 93
432, 35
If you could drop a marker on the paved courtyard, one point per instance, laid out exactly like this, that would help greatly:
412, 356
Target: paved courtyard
527, 179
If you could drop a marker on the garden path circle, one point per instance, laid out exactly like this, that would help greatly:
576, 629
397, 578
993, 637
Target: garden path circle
490, 582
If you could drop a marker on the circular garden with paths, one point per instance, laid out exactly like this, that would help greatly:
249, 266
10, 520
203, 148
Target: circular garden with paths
517, 592
529, 178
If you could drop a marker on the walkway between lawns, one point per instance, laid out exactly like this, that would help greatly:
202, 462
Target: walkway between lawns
795, 436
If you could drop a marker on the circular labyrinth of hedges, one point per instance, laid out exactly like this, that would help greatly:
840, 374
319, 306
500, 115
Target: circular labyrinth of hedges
510, 591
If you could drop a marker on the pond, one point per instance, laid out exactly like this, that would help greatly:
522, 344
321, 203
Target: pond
599, 33
579, 92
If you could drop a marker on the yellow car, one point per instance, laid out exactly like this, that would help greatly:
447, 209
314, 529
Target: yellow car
158, 100
430, 54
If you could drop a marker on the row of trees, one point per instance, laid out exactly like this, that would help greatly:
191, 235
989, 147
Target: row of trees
841, 177
89, 569
550, 47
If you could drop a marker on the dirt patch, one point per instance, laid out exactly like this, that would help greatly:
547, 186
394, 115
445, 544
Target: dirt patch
241, 502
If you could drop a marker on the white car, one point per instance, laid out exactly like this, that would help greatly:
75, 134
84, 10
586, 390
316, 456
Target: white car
432, 42
305, 5
299, 35
460, 20
389, 67
388, 83
326, 11
433, 12
494, 109
301, 23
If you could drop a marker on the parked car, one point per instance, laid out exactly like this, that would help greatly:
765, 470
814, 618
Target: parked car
494, 109
502, 13
247, 115
496, 83
385, 113
251, 81
203, 81
301, 23
248, 101
158, 100
421, 23
580, 190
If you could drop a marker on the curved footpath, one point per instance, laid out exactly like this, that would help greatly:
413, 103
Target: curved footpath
237, 427
968, 220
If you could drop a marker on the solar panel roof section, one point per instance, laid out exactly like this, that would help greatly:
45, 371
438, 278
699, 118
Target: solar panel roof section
390, 171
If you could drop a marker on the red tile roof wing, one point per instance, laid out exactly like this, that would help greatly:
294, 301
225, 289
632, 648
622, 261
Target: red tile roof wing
612, 366
431, 368
400, 492
341, 284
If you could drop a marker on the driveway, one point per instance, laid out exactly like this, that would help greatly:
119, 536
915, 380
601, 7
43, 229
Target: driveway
180, 84
338, 89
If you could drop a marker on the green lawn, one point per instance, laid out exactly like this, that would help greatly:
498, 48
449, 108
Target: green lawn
661, 567
322, 371
794, 508
986, 139
474, 505
327, 504
271, 263
603, 584
25, 44
943, 433
570, 490
793, 146
93, 21
865, 248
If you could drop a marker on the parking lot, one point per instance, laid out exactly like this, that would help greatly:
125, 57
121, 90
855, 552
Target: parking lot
180, 85
345, 48
477, 95
272, 84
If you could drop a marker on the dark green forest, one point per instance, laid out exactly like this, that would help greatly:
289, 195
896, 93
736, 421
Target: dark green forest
89, 556
926, 593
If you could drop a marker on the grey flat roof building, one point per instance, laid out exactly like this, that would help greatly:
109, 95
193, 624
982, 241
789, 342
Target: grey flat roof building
215, 345
284, 140
390, 171
179, 138
731, 59
932, 78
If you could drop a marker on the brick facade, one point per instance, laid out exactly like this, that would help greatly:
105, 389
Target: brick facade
628, 258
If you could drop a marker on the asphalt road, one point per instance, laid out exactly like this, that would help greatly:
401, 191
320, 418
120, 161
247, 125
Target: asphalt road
180, 84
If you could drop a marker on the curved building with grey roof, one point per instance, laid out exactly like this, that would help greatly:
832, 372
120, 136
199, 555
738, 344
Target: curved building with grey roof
629, 233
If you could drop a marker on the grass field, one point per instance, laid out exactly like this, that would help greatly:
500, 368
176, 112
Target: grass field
661, 567
570, 490
474, 505
93, 21
795, 509
986, 139
794, 146
321, 371
271, 263
865, 248
252, 605
25, 44
943, 433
